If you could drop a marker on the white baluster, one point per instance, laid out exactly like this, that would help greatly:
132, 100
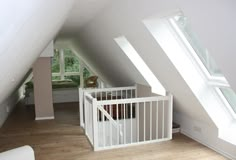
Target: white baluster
137, 114
103, 130
131, 123
124, 124
110, 127
144, 121
117, 121
157, 117
151, 120
163, 118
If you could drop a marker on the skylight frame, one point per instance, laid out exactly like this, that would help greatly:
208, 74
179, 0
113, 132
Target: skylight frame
218, 80
215, 82
204, 88
225, 101
140, 65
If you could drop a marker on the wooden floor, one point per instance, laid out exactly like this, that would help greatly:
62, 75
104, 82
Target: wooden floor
63, 139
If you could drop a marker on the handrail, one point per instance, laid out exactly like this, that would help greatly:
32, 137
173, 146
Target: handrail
108, 89
133, 100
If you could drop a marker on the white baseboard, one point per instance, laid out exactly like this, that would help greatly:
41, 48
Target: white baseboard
208, 145
44, 118
175, 130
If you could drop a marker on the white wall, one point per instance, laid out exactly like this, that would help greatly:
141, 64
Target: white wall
48, 51
205, 134
63, 95
8, 105
125, 17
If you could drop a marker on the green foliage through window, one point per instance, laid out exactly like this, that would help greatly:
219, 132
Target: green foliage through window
56, 78
55, 62
71, 67
71, 61
75, 79
86, 73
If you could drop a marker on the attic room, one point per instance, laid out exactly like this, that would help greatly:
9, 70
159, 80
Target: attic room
156, 63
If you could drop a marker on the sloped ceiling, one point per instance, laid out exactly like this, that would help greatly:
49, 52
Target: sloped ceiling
124, 17
211, 20
82, 12
26, 29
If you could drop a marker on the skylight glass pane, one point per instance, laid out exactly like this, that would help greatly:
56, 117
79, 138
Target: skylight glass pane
183, 24
230, 96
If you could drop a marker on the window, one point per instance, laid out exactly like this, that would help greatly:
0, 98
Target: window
71, 62
230, 96
55, 62
140, 65
198, 69
182, 27
86, 73
66, 66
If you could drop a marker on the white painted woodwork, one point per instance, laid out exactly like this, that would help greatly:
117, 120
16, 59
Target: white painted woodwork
106, 132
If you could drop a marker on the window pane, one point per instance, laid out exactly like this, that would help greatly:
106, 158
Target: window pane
183, 24
71, 61
55, 62
56, 78
74, 78
230, 96
86, 73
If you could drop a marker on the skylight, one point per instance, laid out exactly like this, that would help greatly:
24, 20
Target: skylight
197, 67
230, 96
140, 65
181, 23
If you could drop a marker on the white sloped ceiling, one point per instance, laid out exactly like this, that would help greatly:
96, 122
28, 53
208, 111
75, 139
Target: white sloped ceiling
26, 29
211, 20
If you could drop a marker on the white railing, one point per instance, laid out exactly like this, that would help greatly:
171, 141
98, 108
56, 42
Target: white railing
104, 94
113, 118
88, 121
140, 120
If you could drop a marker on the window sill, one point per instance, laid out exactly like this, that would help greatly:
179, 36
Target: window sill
228, 134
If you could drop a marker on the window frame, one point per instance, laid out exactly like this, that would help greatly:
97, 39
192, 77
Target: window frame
215, 82
194, 55
225, 101
62, 73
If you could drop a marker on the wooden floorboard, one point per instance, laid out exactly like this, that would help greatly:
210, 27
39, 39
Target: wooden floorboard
63, 139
